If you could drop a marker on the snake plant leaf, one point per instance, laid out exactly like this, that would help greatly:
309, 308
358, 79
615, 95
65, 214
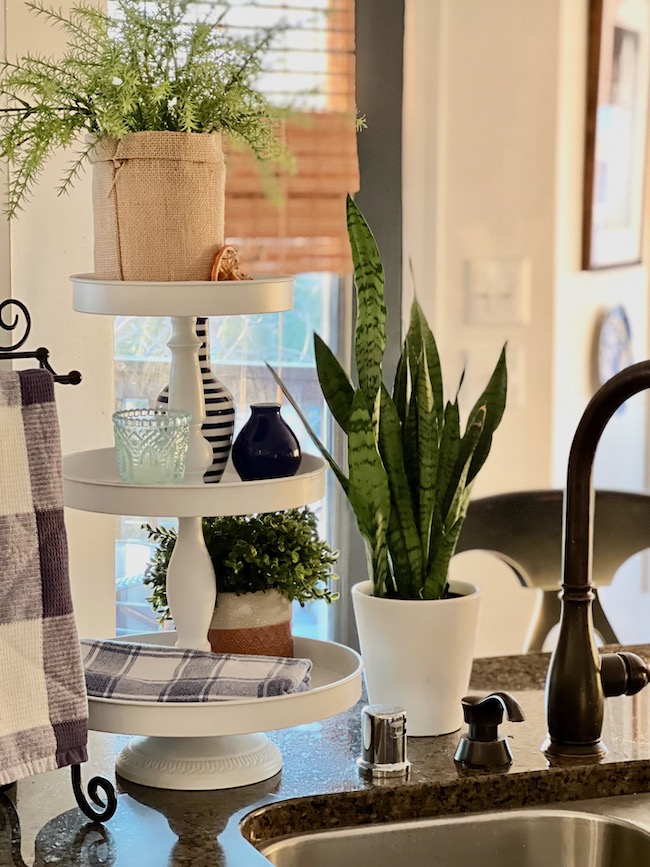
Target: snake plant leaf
402, 517
401, 383
370, 331
449, 452
413, 346
410, 448
460, 383
430, 350
438, 574
470, 449
494, 398
427, 452
334, 382
471, 440
369, 492
401, 583
338, 472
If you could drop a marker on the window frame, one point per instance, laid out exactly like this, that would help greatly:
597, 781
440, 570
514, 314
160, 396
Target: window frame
379, 79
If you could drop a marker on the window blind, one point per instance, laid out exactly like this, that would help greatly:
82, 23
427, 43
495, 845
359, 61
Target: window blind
311, 66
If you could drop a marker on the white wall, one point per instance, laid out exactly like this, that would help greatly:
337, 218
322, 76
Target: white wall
490, 67
423, 139
581, 297
494, 140
51, 239
494, 115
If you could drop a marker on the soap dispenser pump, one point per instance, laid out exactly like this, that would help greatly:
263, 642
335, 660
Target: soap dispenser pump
481, 746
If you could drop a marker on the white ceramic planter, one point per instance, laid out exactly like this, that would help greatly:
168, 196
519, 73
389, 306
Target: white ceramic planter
417, 654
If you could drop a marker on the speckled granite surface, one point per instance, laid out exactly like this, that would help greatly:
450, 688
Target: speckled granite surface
319, 787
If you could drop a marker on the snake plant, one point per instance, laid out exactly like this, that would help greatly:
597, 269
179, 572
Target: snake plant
410, 469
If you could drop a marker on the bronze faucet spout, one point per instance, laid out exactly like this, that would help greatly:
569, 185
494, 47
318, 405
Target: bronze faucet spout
575, 692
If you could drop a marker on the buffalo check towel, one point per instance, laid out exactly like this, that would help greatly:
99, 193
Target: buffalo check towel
141, 672
43, 707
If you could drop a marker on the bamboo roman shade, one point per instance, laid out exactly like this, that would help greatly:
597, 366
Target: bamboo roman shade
304, 229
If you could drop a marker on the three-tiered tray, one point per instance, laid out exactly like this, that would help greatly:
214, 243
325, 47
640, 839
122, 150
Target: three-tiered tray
201, 745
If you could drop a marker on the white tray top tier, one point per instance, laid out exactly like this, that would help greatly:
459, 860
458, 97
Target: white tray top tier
196, 298
91, 484
335, 687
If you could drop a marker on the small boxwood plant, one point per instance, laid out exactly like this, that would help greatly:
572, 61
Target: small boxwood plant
272, 551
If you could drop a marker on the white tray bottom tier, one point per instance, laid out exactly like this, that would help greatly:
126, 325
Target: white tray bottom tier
194, 746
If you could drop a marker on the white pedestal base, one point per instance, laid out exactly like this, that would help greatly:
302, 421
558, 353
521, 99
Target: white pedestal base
192, 764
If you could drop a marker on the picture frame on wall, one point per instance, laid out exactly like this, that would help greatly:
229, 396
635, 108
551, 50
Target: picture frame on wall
618, 82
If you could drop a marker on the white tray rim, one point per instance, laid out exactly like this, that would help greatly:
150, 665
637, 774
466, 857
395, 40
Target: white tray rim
262, 294
259, 279
313, 467
110, 495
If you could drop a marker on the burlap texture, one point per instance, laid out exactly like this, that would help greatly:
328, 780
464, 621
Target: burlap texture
158, 200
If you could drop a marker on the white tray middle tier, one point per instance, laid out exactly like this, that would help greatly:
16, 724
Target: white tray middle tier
91, 484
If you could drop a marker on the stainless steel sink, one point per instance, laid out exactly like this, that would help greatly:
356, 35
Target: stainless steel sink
520, 838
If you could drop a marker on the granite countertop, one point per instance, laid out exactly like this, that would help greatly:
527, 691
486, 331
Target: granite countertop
319, 786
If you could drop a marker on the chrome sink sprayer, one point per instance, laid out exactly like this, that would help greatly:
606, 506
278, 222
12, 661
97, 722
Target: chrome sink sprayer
579, 678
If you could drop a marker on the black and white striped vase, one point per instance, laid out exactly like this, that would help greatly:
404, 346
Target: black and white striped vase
219, 408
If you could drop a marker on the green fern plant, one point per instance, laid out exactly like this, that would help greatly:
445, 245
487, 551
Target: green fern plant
272, 551
147, 66
410, 469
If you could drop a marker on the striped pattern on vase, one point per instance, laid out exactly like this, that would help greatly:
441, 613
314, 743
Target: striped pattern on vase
219, 408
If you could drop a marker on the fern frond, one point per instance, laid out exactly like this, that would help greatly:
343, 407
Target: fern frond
150, 65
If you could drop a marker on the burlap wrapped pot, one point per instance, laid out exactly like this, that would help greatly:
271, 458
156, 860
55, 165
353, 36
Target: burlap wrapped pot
158, 200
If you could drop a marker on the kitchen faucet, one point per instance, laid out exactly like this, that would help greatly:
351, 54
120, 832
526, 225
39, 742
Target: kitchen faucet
579, 678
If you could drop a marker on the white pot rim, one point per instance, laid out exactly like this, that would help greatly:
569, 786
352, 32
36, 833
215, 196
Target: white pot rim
463, 588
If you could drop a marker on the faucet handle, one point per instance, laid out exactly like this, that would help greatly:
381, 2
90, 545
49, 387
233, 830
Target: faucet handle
482, 747
622, 673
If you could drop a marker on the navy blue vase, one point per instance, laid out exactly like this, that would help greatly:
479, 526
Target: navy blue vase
266, 447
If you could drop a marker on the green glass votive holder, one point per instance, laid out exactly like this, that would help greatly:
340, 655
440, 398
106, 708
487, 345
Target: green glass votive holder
151, 445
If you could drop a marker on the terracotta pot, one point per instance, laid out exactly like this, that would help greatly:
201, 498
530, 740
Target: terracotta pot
255, 623
417, 653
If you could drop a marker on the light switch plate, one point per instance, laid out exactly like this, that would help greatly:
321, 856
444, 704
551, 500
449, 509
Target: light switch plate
497, 291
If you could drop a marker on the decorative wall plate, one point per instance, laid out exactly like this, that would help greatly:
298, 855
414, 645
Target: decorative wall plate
614, 344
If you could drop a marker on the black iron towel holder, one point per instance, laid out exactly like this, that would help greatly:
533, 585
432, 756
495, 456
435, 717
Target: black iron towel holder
97, 785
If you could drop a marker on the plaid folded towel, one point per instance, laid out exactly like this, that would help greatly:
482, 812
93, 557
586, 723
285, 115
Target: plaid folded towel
141, 672
43, 709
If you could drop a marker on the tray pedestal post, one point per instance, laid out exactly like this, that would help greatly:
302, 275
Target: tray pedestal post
191, 586
191, 583
186, 392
